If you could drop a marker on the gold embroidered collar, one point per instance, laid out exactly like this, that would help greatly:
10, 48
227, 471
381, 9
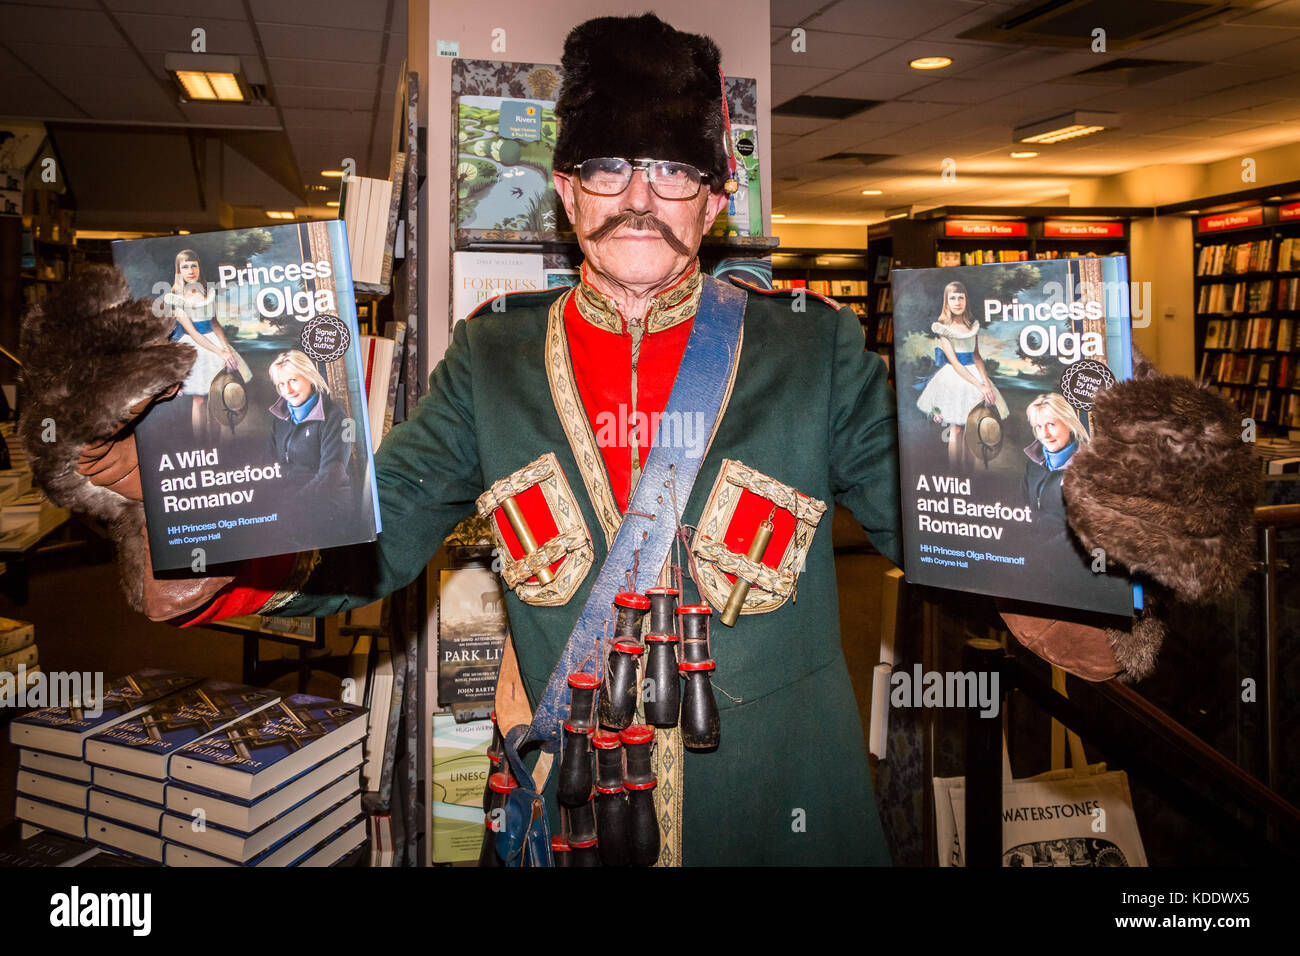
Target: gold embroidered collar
668, 308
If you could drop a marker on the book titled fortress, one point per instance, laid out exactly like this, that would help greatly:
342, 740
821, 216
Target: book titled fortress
266, 449
998, 366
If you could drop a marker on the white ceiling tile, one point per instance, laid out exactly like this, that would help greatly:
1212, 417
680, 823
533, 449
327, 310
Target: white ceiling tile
789, 13
903, 20
1277, 111
797, 125
1221, 76
790, 81
353, 14
155, 34
835, 50
305, 97
53, 59
314, 74
30, 96
335, 44
72, 27
1286, 14
198, 10
898, 111
874, 86
322, 118
231, 114
964, 91
1218, 42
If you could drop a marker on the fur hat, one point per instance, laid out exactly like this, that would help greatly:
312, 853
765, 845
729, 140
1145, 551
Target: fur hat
93, 358
637, 88
1167, 487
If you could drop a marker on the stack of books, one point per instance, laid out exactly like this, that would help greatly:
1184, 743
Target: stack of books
183, 771
18, 657
53, 776
131, 760
282, 787
370, 209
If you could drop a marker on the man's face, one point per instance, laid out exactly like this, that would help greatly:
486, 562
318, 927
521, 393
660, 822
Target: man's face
1050, 430
636, 254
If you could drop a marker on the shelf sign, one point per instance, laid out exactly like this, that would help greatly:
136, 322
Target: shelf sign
1231, 220
1290, 211
1074, 229
984, 228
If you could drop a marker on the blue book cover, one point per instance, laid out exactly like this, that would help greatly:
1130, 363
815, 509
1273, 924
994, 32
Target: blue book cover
62, 729
145, 742
997, 368
266, 448
273, 744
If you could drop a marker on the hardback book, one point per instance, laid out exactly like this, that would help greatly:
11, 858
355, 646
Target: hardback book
472, 630
743, 214
505, 145
380, 693
145, 789
135, 813
997, 369
460, 772
480, 276
66, 793
15, 635
144, 744
117, 837
248, 815
323, 843
239, 847
41, 848
53, 765
26, 658
63, 730
49, 816
266, 449
255, 755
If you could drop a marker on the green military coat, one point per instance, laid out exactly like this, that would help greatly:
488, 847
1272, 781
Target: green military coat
809, 408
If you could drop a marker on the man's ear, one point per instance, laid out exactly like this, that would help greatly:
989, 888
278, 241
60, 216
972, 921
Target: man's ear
564, 186
713, 207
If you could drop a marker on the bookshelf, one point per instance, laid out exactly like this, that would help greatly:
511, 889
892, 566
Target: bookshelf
1247, 288
843, 275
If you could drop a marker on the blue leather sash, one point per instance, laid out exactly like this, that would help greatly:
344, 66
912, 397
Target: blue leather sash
643, 540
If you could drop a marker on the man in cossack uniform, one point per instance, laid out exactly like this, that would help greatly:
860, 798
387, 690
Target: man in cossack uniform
571, 384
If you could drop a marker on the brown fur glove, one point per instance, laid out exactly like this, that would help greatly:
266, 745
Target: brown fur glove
94, 363
1167, 488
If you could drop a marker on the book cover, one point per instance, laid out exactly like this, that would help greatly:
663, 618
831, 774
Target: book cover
62, 730
460, 771
479, 276
472, 630
505, 145
268, 747
997, 368
743, 214
143, 743
266, 450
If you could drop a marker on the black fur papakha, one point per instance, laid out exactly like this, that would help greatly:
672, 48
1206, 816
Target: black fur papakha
1167, 487
89, 354
637, 88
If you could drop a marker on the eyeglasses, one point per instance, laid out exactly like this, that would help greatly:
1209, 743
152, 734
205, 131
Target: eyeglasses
610, 175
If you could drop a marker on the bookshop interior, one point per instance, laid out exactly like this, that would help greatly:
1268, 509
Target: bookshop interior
1045, 623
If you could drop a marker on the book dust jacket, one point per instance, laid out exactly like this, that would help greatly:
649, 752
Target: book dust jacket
997, 369
266, 448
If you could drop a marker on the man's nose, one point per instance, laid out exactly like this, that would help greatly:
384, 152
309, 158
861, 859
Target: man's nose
638, 195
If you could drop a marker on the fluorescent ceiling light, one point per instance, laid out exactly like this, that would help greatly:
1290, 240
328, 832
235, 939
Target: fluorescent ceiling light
1069, 126
332, 173
872, 192
278, 214
1024, 154
930, 62
208, 77
334, 204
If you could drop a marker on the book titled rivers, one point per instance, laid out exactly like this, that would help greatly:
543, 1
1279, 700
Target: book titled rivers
998, 366
266, 448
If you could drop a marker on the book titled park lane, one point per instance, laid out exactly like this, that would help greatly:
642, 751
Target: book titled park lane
998, 366
266, 448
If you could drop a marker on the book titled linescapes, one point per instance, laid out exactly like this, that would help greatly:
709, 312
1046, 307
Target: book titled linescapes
997, 369
266, 449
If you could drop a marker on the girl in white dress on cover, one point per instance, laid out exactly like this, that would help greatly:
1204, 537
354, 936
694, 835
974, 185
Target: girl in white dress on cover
961, 381
193, 307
